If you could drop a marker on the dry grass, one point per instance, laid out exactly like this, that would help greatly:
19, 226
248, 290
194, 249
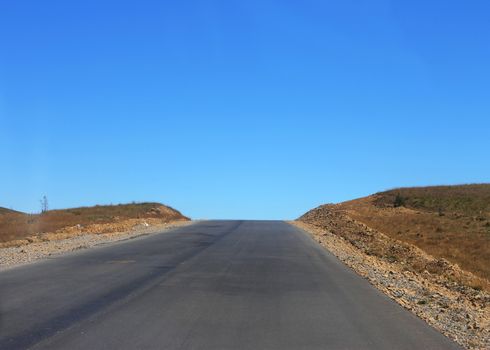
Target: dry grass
8, 211
470, 200
16, 225
450, 222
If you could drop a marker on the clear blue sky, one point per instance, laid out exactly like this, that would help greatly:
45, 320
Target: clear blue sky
240, 109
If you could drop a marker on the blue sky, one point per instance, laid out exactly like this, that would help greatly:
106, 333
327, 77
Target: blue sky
240, 109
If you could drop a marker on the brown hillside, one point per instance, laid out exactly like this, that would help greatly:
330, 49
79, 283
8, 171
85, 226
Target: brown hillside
450, 222
471, 200
8, 211
17, 225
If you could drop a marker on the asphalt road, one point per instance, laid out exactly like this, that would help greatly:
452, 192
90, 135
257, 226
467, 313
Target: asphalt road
212, 285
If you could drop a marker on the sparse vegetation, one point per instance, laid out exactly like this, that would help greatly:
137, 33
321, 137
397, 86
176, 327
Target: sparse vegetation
471, 199
399, 201
16, 225
450, 222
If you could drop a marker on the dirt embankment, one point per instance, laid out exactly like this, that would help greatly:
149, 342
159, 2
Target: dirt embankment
17, 228
449, 222
72, 239
453, 300
428, 248
25, 238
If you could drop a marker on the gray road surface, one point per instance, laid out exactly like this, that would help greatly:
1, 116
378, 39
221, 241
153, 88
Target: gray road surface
212, 285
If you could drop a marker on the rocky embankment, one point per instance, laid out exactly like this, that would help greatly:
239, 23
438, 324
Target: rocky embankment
78, 237
446, 297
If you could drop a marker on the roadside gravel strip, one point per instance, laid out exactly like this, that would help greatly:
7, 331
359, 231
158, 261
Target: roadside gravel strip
458, 313
26, 253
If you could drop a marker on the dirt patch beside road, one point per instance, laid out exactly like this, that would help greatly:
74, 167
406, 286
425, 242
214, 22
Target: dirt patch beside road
76, 237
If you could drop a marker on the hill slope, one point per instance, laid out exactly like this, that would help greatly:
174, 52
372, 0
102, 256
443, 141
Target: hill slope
8, 211
18, 226
450, 222
472, 200
426, 248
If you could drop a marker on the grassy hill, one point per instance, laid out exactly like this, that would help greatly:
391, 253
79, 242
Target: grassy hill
16, 225
465, 199
450, 222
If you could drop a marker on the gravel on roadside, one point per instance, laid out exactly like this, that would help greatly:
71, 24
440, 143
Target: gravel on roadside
459, 312
48, 245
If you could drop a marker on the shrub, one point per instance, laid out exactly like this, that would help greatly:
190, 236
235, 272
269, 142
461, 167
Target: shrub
399, 201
